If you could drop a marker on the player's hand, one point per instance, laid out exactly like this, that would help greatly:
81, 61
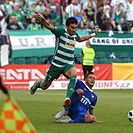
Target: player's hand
96, 29
95, 120
37, 14
98, 121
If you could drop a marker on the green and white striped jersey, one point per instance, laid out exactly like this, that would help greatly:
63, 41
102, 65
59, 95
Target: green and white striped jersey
64, 47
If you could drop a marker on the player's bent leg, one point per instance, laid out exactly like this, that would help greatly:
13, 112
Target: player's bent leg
63, 121
70, 90
71, 86
83, 118
71, 73
60, 114
46, 84
79, 119
33, 88
76, 97
67, 102
89, 118
39, 84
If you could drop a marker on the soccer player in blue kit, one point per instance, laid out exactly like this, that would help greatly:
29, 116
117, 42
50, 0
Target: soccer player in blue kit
83, 99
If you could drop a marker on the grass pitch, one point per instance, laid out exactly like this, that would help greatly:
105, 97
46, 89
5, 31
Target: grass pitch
112, 108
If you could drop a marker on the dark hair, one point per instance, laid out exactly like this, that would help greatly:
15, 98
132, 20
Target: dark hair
88, 74
71, 20
101, 5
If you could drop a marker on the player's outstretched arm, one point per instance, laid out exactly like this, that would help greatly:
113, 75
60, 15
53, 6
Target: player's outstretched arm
44, 21
87, 37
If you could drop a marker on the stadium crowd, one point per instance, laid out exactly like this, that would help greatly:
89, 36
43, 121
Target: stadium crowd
114, 15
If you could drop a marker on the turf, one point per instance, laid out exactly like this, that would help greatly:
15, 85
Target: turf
112, 109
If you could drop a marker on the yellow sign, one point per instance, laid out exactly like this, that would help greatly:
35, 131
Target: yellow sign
122, 71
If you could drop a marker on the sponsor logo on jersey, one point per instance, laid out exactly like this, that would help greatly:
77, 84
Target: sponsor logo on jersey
70, 44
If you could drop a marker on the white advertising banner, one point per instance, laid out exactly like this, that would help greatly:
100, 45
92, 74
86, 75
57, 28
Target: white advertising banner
36, 41
112, 41
48, 41
100, 84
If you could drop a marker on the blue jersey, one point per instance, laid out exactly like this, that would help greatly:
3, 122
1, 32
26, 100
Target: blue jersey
78, 108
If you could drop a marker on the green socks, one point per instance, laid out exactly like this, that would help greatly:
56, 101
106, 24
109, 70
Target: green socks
39, 84
71, 86
70, 89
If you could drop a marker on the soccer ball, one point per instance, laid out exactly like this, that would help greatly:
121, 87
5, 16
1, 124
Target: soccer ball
130, 115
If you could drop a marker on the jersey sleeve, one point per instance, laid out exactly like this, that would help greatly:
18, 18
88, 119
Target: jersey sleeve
57, 31
94, 103
77, 37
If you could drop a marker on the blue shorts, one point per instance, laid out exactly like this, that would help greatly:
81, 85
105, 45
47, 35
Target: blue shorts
55, 72
80, 119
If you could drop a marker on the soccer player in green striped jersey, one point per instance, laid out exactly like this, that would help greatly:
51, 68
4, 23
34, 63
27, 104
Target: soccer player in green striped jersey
63, 59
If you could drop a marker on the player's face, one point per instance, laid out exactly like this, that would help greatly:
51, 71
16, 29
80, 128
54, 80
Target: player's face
71, 29
90, 80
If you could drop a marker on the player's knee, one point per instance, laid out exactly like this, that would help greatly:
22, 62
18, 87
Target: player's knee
80, 92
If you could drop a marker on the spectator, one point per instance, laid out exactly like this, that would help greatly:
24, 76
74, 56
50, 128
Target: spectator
34, 26
4, 34
84, 19
85, 4
111, 24
64, 4
129, 14
29, 4
7, 7
82, 2
91, 16
124, 25
101, 18
56, 21
40, 7
47, 16
114, 5
107, 8
13, 23
70, 8
119, 13
24, 11
88, 55
30, 13
1, 12
13, 3
53, 8
20, 16
79, 17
